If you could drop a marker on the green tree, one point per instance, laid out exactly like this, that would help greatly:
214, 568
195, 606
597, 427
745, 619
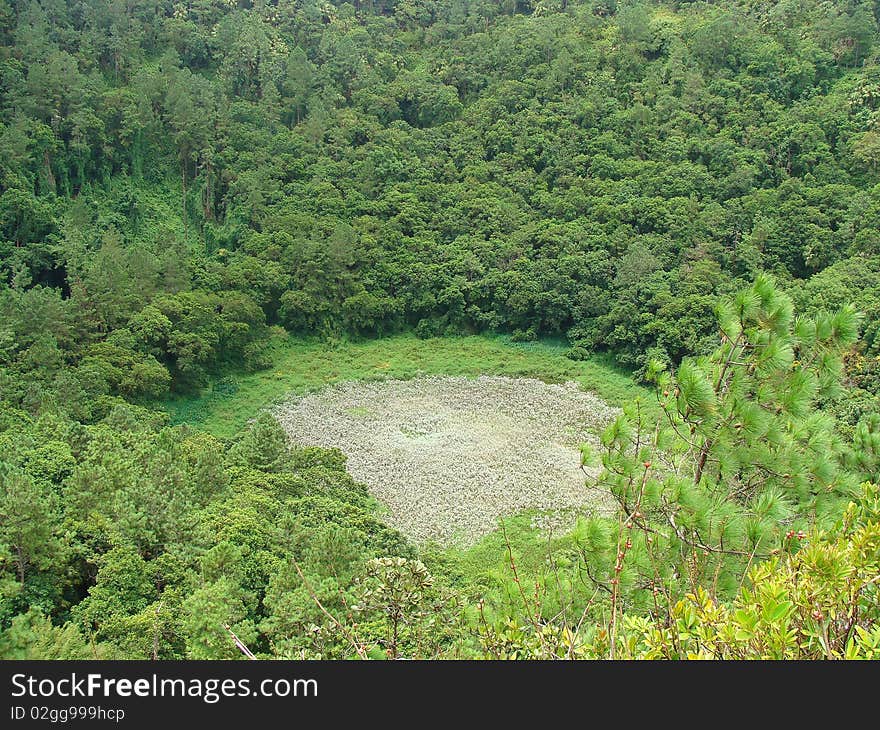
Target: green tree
29, 523
739, 452
263, 445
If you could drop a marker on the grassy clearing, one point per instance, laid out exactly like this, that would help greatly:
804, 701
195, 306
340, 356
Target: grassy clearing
301, 366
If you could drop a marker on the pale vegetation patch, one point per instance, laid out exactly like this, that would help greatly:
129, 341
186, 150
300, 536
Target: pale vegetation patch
449, 455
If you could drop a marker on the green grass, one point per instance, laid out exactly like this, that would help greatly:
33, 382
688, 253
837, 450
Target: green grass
302, 365
483, 569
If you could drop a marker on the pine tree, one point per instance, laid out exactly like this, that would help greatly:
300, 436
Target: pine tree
737, 460
263, 446
28, 522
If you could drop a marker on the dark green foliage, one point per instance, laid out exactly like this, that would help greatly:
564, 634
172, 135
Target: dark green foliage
140, 540
452, 167
179, 181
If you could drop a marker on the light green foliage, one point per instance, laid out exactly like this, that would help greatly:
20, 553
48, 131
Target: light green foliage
304, 365
219, 601
320, 566
263, 446
741, 450
30, 547
487, 186
730, 474
131, 606
403, 594
819, 603
141, 487
33, 636
168, 535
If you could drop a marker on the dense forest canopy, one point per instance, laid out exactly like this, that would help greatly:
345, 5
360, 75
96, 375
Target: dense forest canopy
181, 180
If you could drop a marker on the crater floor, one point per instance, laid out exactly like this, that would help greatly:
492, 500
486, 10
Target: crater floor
448, 456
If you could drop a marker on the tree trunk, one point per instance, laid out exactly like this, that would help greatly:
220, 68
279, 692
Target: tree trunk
183, 179
156, 636
209, 195
20, 555
49, 176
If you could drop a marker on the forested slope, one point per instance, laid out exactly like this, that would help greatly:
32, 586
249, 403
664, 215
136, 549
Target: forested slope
179, 180
448, 166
